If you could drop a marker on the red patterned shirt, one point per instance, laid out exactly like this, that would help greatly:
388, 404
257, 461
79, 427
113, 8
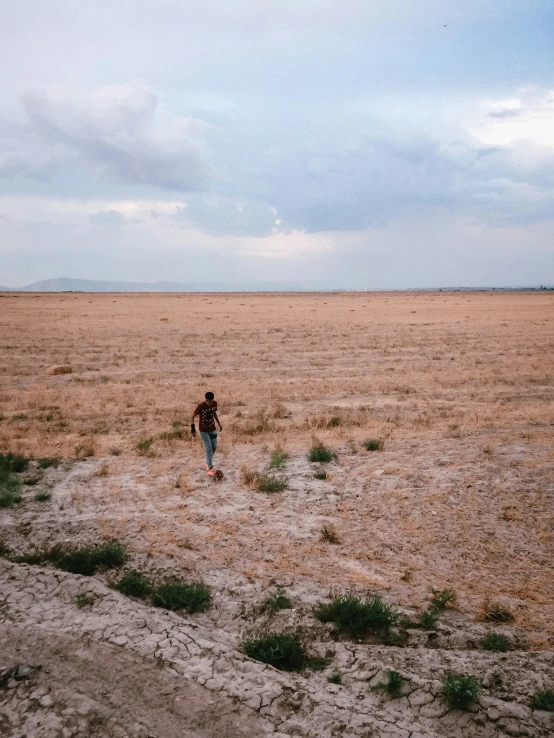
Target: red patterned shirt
206, 413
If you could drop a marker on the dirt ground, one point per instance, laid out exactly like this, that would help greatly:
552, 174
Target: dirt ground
456, 387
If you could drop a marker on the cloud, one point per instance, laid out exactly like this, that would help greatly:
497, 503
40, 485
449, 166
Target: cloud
118, 133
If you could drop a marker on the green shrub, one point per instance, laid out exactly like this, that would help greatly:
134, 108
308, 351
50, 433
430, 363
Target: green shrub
13, 463
278, 460
335, 678
393, 684
278, 600
284, 651
83, 600
320, 453
88, 559
176, 595
143, 447
134, 584
43, 496
355, 616
266, 483
373, 444
496, 642
442, 598
320, 474
47, 463
543, 700
429, 618
459, 691
9, 489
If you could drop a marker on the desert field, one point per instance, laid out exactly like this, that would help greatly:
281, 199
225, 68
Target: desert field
455, 388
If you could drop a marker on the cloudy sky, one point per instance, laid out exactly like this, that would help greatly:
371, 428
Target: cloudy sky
331, 143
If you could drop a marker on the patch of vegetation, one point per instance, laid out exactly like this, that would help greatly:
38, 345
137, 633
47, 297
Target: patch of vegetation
115, 451
496, 642
134, 584
47, 463
84, 451
83, 600
329, 535
31, 481
320, 474
429, 618
459, 691
320, 453
357, 617
373, 444
278, 459
13, 463
267, 483
334, 422
543, 700
393, 684
43, 496
442, 598
86, 560
284, 651
278, 600
143, 446
175, 433
9, 489
335, 678
495, 612
176, 595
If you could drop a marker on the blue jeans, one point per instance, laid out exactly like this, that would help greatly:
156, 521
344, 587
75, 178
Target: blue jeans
210, 444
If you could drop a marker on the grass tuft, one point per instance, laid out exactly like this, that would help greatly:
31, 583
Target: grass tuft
335, 678
320, 474
284, 651
267, 483
329, 535
134, 584
278, 459
13, 463
543, 700
496, 642
373, 444
393, 685
278, 600
176, 595
83, 600
320, 453
43, 496
429, 618
442, 598
143, 446
47, 463
357, 617
495, 612
459, 691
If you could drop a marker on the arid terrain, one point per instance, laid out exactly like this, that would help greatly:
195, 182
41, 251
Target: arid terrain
457, 390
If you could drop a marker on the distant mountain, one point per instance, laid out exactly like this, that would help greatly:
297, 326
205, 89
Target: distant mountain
63, 284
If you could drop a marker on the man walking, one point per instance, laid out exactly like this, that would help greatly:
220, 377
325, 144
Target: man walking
207, 412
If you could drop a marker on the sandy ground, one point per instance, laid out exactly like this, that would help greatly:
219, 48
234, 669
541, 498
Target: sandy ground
457, 386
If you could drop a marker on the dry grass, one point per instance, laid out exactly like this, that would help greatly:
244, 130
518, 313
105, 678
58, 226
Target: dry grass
460, 391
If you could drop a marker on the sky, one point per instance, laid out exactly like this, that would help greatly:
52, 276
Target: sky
329, 144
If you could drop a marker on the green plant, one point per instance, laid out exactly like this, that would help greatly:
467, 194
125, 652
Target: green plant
278, 600
176, 595
143, 447
9, 489
320, 474
13, 463
355, 616
284, 651
429, 618
459, 691
83, 600
329, 535
267, 483
134, 584
278, 459
43, 496
543, 700
47, 463
496, 642
335, 678
86, 560
373, 444
320, 453
442, 598
393, 685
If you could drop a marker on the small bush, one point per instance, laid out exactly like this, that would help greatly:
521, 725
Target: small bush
496, 642
134, 584
442, 598
429, 618
459, 691
393, 684
543, 700
266, 483
329, 535
495, 612
43, 496
47, 463
355, 616
277, 601
13, 463
175, 595
284, 651
320, 453
9, 489
278, 459
335, 678
372, 444
143, 447
89, 559
320, 474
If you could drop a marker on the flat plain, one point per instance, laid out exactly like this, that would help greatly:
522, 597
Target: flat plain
455, 388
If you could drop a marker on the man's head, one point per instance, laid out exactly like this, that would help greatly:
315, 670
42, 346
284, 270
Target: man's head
209, 397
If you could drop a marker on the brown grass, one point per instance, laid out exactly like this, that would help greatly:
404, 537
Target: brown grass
460, 389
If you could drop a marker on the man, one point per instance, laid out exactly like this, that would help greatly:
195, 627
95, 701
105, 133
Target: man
207, 412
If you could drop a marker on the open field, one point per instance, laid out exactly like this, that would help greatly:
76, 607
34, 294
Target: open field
456, 387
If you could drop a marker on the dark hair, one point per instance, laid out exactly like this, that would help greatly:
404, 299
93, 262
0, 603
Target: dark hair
209, 395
